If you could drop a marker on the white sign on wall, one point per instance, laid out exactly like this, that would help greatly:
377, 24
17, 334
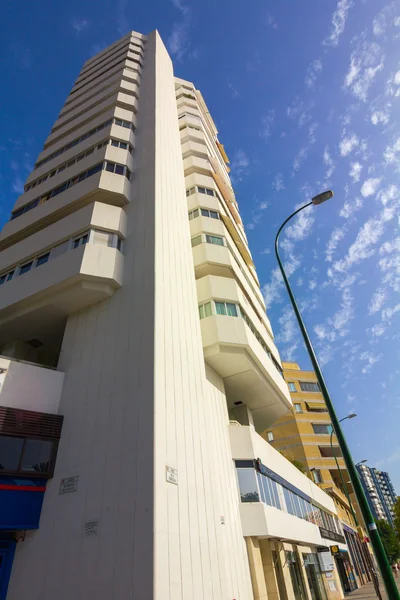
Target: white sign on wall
332, 586
90, 528
326, 561
68, 485
171, 475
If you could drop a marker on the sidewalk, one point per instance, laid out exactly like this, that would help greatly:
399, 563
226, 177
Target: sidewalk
367, 592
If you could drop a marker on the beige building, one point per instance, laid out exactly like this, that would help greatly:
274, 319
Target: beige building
303, 435
138, 366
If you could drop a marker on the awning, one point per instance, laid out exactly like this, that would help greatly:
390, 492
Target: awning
21, 501
223, 153
316, 406
239, 244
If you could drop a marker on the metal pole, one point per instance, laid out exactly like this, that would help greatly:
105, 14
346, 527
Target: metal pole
380, 554
342, 478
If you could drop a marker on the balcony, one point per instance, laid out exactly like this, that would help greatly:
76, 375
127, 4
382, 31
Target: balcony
36, 303
238, 347
28, 386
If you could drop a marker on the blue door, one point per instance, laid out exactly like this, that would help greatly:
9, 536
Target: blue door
7, 549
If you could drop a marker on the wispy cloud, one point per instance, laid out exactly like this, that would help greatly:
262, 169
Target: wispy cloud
122, 21
300, 158
311, 132
377, 301
371, 359
383, 19
313, 70
379, 116
365, 62
299, 111
370, 186
336, 236
79, 25
389, 264
272, 290
239, 165
355, 171
266, 125
349, 208
392, 152
348, 143
257, 214
337, 326
271, 22
328, 162
178, 41
339, 19
234, 92
278, 183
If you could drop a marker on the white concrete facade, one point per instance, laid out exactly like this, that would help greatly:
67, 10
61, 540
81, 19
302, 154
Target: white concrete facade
119, 275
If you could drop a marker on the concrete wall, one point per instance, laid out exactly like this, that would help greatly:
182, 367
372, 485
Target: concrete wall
136, 399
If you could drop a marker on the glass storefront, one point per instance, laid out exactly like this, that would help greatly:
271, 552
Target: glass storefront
314, 577
292, 561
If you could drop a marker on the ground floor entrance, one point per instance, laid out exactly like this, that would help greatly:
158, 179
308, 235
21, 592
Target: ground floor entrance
285, 571
345, 571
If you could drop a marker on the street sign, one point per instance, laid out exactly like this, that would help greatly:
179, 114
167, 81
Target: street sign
68, 485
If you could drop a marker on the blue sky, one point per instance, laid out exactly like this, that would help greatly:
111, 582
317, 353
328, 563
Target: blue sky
306, 96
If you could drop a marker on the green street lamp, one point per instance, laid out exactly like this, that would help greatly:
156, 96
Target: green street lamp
383, 563
346, 491
361, 462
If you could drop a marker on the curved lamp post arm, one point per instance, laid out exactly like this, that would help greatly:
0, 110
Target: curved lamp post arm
384, 566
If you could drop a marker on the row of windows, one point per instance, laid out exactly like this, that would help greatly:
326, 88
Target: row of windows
101, 73
257, 487
116, 143
310, 408
231, 309
24, 455
201, 190
210, 239
189, 114
108, 166
92, 70
113, 50
305, 386
204, 212
82, 138
187, 126
94, 236
112, 55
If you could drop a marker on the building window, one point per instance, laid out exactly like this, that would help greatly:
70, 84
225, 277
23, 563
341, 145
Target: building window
317, 407
215, 239
226, 308
322, 428
248, 485
80, 241
270, 436
309, 386
196, 241
213, 214
26, 455
42, 259
316, 475
330, 451
25, 268
205, 310
292, 387
297, 408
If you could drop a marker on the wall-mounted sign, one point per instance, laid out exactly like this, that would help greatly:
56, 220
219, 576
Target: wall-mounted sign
68, 485
331, 535
332, 586
90, 528
325, 560
222, 520
335, 550
171, 475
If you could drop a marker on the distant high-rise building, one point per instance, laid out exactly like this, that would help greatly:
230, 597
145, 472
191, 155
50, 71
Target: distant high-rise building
379, 491
138, 365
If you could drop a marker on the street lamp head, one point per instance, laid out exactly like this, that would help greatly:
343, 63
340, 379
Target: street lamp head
351, 416
322, 197
362, 462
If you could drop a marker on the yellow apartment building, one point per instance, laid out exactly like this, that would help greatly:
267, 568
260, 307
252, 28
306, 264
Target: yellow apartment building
303, 435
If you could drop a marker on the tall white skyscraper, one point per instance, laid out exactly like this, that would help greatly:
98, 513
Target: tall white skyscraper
138, 363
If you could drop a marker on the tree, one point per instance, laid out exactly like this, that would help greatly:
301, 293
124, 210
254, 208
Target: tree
390, 540
397, 517
296, 463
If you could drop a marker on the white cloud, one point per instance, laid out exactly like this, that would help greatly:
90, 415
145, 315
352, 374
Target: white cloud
300, 158
371, 359
337, 235
79, 25
389, 264
393, 85
312, 284
339, 18
348, 143
313, 70
299, 111
239, 166
272, 290
257, 214
178, 41
379, 116
278, 183
350, 399
370, 186
365, 62
271, 22
234, 92
266, 124
302, 225
355, 171
392, 152
377, 301
311, 132
328, 162
363, 246
388, 313
378, 330
336, 326
382, 20
389, 196
288, 326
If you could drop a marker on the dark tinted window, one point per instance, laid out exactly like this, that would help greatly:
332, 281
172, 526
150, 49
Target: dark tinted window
37, 454
25, 268
42, 259
10, 452
119, 169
